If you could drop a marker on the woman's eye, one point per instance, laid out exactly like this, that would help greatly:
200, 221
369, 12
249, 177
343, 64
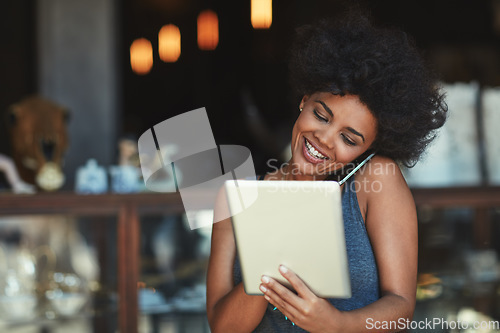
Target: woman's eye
348, 141
320, 117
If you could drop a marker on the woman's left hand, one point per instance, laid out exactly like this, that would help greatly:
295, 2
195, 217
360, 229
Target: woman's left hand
304, 309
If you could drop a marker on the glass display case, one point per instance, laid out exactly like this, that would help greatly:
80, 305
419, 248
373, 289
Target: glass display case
112, 223
147, 271
459, 268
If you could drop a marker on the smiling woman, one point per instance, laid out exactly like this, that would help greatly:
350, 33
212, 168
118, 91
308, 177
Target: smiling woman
330, 132
363, 90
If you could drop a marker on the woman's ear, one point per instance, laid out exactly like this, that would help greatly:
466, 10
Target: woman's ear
303, 101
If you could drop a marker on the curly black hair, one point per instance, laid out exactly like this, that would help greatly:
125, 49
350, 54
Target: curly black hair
384, 69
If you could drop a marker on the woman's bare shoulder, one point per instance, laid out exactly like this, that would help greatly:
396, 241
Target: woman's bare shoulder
381, 179
381, 169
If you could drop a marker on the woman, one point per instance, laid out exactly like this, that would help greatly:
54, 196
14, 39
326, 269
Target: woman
364, 90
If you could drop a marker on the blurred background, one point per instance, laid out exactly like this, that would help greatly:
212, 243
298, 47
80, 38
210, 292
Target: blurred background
113, 69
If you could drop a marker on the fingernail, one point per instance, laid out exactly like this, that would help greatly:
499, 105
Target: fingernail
265, 279
283, 269
264, 289
267, 298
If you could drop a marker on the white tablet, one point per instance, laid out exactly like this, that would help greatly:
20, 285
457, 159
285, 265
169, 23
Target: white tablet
295, 223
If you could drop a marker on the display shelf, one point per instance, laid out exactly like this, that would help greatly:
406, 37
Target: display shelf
128, 209
457, 228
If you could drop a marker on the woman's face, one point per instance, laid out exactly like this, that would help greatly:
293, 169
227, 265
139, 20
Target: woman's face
330, 132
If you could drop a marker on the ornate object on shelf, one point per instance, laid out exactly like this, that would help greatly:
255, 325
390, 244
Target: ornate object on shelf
39, 140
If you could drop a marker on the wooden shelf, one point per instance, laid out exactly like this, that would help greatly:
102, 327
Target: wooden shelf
473, 197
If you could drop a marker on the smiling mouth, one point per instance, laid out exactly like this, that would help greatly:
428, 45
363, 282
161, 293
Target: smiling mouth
313, 152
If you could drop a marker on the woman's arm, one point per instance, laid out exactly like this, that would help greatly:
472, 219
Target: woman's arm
229, 308
391, 222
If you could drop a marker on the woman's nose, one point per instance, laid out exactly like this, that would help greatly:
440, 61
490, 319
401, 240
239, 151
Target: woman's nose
325, 137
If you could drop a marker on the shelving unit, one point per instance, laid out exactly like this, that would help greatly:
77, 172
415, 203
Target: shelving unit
128, 210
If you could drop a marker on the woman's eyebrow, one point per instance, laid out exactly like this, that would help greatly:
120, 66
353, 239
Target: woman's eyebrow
353, 131
327, 109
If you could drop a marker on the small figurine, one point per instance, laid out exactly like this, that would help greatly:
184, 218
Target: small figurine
91, 178
39, 140
125, 177
128, 151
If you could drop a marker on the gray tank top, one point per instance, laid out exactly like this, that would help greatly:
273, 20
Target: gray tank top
362, 268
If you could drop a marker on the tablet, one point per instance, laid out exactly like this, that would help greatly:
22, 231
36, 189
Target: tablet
295, 223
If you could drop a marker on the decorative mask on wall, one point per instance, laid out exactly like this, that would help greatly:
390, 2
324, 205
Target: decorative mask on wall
39, 140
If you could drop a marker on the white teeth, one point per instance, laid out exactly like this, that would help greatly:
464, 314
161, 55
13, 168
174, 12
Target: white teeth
314, 152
